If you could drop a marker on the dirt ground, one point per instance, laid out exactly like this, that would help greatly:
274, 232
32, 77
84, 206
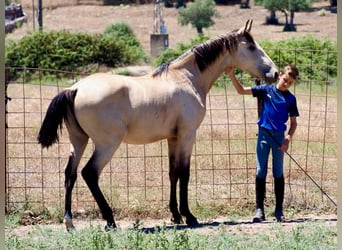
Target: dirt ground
94, 19
320, 22
234, 227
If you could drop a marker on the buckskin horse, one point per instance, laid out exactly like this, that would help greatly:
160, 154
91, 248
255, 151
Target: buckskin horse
168, 103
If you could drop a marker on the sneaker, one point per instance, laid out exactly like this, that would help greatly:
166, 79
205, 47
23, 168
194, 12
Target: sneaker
279, 215
259, 216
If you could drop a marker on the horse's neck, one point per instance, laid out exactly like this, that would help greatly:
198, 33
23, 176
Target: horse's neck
203, 80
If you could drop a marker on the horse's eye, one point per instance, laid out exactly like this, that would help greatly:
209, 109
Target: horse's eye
251, 47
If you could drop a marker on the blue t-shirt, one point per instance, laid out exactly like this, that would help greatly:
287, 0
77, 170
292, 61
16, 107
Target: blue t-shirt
277, 106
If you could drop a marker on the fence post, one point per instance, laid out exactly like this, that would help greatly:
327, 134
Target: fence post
2, 125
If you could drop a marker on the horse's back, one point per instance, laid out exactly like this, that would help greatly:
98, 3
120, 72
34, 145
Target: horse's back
109, 105
137, 110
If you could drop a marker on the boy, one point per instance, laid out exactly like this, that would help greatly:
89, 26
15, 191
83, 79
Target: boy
278, 105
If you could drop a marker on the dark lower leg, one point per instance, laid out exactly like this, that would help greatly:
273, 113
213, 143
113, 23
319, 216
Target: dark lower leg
183, 194
176, 217
70, 179
173, 175
91, 178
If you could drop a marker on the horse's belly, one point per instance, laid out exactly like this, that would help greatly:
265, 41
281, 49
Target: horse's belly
147, 135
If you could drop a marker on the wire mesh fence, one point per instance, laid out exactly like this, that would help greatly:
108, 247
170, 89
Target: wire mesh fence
222, 164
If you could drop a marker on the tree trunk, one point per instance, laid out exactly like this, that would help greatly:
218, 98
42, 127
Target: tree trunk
199, 30
289, 26
292, 17
286, 18
272, 19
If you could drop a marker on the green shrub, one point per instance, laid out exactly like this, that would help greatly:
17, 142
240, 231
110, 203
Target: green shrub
63, 50
123, 32
60, 50
316, 58
171, 54
199, 14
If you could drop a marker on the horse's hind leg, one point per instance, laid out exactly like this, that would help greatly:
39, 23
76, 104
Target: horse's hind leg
79, 144
91, 173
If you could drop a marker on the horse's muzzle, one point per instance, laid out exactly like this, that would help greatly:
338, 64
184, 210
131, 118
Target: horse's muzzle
271, 77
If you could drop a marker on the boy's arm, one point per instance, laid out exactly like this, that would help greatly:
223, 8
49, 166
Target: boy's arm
242, 90
290, 133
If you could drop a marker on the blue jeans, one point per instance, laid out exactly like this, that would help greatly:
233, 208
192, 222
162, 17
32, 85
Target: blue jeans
268, 140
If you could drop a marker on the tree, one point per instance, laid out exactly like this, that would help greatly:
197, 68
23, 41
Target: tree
288, 8
199, 14
272, 6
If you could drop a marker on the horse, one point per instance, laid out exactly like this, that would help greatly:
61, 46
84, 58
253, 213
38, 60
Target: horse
167, 103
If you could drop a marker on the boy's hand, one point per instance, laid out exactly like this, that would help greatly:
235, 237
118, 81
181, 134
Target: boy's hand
229, 70
285, 145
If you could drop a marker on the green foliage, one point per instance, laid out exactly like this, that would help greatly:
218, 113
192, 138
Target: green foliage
171, 54
287, 5
199, 14
52, 50
271, 4
123, 32
307, 235
316, 59
63, 50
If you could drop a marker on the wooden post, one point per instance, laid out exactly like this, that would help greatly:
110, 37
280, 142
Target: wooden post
40, 14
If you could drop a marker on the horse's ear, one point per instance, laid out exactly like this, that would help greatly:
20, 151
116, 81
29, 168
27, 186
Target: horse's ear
247, 27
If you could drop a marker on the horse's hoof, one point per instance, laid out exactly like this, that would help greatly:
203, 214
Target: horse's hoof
68, 224
177, 220
192, 222
110, 227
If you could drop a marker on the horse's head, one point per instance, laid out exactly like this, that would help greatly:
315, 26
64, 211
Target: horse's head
250, 57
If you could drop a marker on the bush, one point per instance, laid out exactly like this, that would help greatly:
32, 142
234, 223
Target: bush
316, 58
199, 14
63, 50
52, 50
171, 54
123, 32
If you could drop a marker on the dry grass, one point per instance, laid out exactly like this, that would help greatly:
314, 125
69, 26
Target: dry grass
223, 162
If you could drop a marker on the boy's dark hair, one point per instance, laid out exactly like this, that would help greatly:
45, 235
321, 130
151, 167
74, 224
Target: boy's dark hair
292, 70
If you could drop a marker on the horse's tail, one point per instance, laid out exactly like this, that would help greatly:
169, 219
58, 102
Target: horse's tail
58, 111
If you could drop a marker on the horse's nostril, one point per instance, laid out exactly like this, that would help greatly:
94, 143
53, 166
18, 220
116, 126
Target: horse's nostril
275, 75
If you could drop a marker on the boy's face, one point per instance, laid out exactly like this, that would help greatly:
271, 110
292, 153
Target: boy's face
285, 80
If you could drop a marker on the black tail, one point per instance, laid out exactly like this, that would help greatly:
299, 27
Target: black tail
55, 115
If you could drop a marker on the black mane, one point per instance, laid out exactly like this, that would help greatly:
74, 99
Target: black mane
207, 52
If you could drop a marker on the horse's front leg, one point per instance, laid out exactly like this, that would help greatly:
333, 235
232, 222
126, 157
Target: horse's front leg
176, 217
184, 177
179, 155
